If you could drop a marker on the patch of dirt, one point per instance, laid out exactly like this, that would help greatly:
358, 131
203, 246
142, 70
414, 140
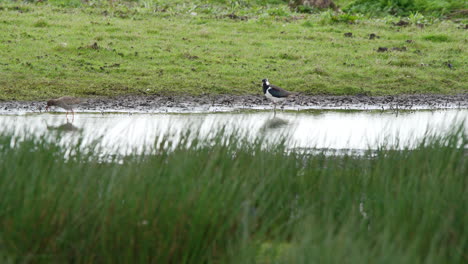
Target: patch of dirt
401, 23
93, 46
373, 36
234, 17
399, 48
223, 103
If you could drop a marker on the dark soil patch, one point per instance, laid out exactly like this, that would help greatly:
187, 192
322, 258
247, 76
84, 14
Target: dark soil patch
373, 36
234, 17
213, 103
401, 23
399, 49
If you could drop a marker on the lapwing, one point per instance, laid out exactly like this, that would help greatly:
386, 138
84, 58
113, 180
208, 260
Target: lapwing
274, 93
65, 102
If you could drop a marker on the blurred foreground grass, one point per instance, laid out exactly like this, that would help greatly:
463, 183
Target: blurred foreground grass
221, 203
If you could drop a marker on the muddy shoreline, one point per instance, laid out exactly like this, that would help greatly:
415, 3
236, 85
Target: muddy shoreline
226, 103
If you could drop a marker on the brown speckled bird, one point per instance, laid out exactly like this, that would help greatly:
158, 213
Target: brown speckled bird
65, 102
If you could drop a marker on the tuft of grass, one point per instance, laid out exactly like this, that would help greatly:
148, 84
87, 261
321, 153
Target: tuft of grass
305, 9
308, 23
67, 3
329, 17
405, 7
279, 12
437, 38
218, 202
41, 23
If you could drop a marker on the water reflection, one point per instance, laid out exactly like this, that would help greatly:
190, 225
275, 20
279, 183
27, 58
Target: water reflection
275, 123
67, 127
334, 130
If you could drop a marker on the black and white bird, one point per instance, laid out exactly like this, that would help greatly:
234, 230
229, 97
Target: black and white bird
274, 93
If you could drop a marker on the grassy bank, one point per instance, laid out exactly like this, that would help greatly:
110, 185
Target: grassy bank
226, 204
153, 47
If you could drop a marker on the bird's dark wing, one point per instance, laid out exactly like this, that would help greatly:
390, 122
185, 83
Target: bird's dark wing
278, 91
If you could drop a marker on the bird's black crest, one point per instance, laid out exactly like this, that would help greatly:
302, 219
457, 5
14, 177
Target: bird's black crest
265, 85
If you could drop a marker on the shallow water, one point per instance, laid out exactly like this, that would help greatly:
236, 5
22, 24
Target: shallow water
331, 130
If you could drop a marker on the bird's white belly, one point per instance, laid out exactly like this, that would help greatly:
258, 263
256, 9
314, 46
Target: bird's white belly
274, 99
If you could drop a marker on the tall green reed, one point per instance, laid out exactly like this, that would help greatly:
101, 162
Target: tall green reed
230, 201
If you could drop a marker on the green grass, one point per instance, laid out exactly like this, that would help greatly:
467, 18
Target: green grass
154, 47
406, 7
221, 203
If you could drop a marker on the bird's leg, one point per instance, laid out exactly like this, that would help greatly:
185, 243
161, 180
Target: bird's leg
274, 109
73, 115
